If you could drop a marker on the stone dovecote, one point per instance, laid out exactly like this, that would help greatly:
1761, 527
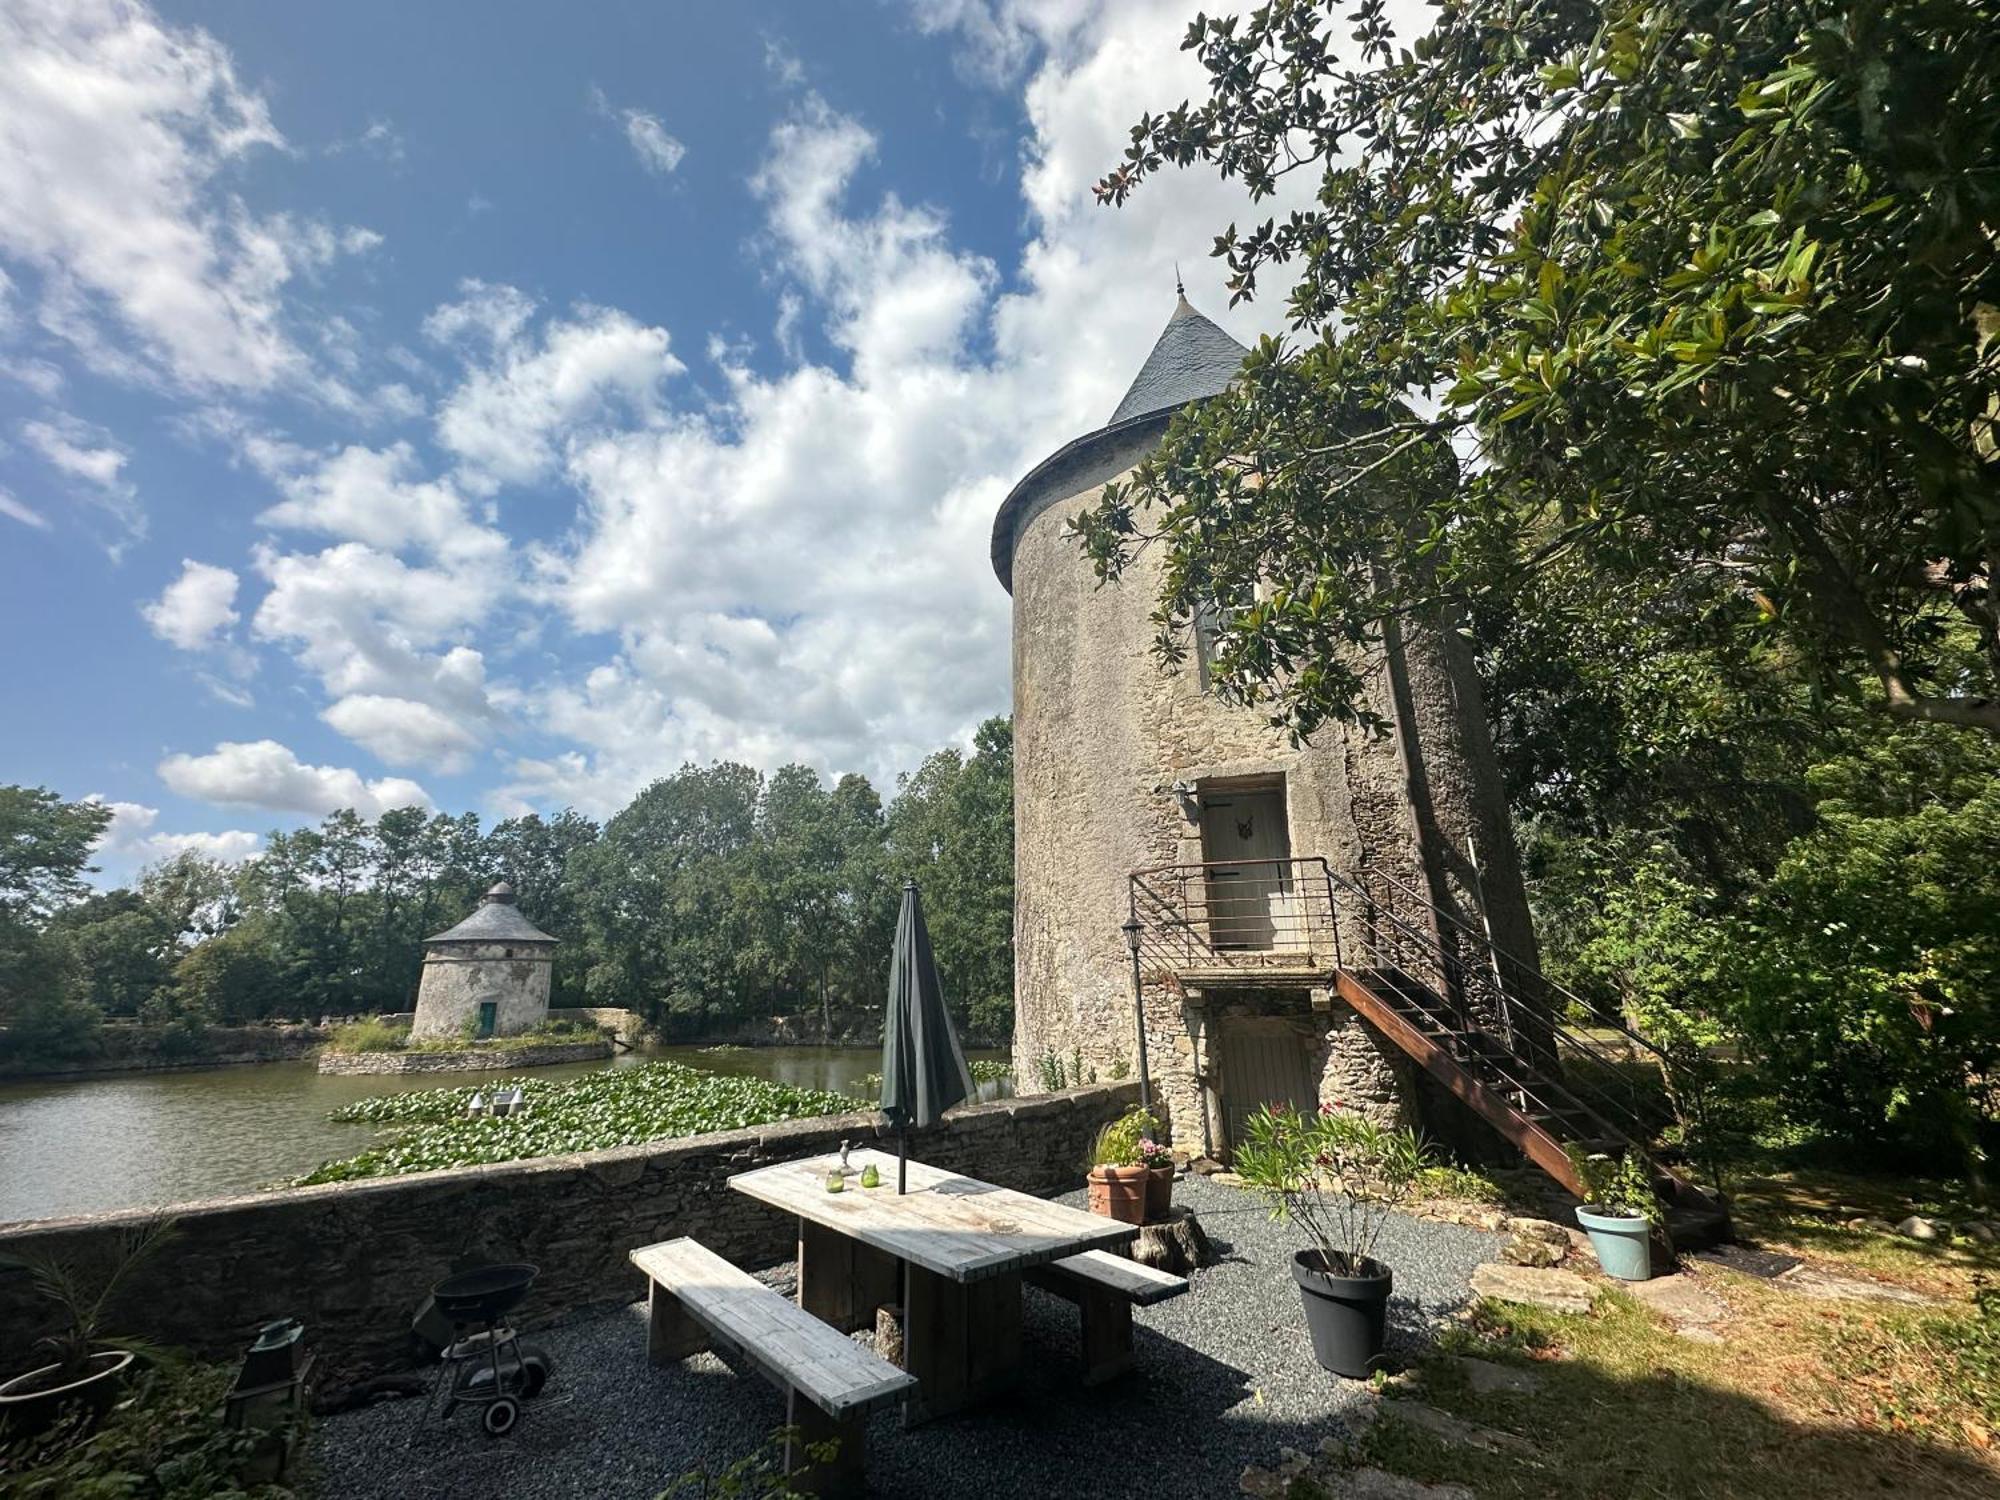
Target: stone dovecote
488, 976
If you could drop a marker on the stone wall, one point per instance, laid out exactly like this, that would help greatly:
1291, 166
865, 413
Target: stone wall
119, 1047
627, 1027
1101, 736
353, 1259
460, 976
471, 1060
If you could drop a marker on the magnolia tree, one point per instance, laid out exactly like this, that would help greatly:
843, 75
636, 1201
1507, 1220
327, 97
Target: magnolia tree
1686, 286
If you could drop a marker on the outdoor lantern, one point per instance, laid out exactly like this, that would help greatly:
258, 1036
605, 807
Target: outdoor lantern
269, 1397
1133, 930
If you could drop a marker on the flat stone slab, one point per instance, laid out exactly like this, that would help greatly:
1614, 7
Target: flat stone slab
1699, 1335
1486, 1378
1680, 1299
1444, 1426
1764, 1264
1826, 1287
1380, 1484
1559, 1291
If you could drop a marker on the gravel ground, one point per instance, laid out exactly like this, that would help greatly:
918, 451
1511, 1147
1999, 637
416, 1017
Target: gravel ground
1225, 1377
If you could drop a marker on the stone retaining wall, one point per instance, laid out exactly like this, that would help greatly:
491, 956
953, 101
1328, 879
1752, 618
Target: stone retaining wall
471, 1060
353, 1259
119, 1047
627, 1026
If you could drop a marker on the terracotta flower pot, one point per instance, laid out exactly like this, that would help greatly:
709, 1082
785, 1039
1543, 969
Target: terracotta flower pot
1159, 1193
1119, 1193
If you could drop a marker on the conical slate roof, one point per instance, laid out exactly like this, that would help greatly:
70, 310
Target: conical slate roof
1192, 359
496, 919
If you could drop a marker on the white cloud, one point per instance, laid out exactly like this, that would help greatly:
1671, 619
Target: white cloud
117, 132
804, 573
89, 456
377, 629
371, 495
381, 139
197, 609
993, 41
361, 617
67, 445
520, 394
129, 838
658, 151
265, 774
403, 732
27, 515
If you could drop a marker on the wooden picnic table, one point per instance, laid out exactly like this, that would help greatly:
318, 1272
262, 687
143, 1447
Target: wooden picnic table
951, 1250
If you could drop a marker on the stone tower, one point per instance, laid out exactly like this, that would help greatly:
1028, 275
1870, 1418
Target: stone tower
1139, 794
488, 976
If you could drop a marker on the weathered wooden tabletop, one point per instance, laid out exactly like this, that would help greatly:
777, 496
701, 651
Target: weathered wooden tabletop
955, 1226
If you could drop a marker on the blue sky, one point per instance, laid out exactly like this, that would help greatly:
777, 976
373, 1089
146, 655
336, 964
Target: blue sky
493, 406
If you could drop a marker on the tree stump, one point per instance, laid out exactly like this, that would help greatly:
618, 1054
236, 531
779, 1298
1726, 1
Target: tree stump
1175, 1244
889, 1333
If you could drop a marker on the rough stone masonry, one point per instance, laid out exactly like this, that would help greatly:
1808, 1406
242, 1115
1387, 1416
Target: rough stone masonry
1115, 759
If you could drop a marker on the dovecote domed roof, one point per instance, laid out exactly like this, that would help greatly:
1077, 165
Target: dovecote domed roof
496, 919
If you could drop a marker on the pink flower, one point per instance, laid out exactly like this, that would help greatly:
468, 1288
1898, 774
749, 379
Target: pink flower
1326, 1109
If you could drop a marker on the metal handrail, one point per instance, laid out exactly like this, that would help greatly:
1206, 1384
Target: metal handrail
1560, 1031
1533, 971
1412, 952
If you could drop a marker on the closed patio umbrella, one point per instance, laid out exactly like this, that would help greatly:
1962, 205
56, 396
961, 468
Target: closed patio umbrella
923, 1071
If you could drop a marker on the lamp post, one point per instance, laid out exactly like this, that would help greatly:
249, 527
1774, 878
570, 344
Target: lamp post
1131, 928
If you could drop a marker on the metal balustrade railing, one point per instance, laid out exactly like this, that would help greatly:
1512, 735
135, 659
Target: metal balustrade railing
1247, 914
1504, 1021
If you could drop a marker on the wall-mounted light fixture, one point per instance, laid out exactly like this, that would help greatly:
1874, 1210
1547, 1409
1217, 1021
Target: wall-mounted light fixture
1188, 798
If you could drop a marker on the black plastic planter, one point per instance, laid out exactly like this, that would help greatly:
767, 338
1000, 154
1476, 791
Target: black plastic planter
1347, 1316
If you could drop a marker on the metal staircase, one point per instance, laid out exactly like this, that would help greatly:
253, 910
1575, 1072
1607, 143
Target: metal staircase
1525, 1054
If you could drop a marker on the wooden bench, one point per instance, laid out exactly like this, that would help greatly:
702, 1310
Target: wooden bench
696, 1300
1105, 1287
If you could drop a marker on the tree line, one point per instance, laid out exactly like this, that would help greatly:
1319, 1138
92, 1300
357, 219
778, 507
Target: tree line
719, 897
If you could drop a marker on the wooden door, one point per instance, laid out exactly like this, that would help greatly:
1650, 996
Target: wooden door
1264, 1062
1243, 841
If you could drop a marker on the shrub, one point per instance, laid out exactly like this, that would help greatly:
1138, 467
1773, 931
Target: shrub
377, 1035
165, 1442
1337, 1175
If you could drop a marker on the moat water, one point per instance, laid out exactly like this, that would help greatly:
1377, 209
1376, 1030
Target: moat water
79, 1145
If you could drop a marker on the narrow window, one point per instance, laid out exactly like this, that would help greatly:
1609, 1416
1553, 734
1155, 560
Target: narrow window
1209, 623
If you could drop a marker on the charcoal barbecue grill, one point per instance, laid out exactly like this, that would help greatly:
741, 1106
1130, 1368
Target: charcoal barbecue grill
491, 1368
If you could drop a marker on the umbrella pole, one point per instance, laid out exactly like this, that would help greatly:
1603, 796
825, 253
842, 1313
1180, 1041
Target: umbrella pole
902, 1161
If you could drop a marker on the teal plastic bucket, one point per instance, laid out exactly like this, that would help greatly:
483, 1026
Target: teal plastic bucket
1624, 1245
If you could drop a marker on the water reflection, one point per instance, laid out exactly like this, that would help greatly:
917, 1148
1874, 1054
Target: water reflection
80, 1145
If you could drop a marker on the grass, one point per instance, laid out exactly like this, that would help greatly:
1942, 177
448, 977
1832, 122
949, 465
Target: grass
380, 1035
1802, 1397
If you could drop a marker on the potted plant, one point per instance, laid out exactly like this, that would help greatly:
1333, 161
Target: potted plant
1118, 1177
89, 1363
1159, 1164
1337, 1176
1620, 1212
